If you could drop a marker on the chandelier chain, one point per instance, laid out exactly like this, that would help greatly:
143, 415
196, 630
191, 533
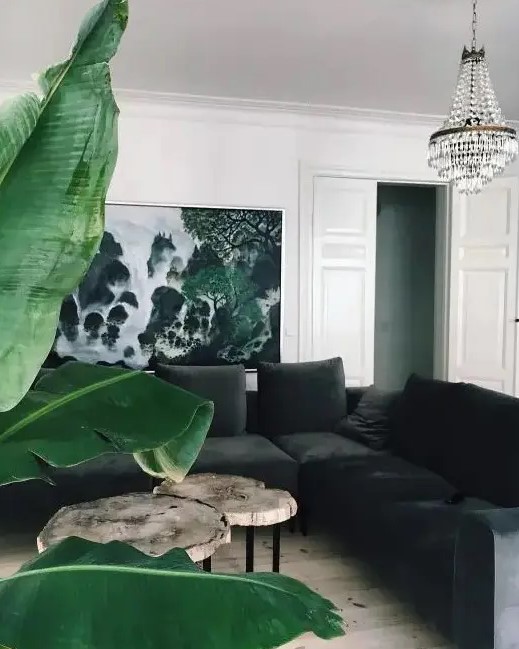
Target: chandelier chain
474, 23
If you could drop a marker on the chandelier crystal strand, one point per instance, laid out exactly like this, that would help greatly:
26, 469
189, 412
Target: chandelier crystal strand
474, 144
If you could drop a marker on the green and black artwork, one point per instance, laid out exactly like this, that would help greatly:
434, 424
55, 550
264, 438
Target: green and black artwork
178, 285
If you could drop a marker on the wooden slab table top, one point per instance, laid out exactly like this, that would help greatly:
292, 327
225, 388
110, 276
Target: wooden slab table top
244, 501
151, 523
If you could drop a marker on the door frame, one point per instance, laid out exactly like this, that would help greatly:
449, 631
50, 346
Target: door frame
307, 173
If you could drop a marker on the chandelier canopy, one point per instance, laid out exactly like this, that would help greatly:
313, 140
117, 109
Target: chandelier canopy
475, 143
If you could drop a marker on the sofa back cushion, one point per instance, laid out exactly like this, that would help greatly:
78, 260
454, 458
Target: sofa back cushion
301, 397
484, 458
353, 396
224, 385
466, 434
423, 417
252, 412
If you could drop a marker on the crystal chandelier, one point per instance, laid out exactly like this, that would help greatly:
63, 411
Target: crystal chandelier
475, 143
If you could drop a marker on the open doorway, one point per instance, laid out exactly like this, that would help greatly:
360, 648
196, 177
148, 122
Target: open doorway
405, 283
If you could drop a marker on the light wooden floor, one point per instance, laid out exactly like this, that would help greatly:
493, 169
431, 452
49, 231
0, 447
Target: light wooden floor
374, 618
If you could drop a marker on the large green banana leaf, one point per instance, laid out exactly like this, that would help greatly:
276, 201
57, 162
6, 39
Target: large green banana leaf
82, 595
57, 156
80, 411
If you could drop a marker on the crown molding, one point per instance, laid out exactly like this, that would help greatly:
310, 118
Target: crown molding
179, 100
268, 106
166, 101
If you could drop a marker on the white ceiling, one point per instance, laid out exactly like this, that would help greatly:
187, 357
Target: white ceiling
398, 55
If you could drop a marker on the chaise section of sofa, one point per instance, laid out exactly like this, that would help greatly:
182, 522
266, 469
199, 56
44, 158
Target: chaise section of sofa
486, 585
436, 513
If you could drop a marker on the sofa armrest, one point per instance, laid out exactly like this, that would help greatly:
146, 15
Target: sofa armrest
486, 581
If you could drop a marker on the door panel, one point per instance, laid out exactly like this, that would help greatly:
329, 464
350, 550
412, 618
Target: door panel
483, 296
343, 285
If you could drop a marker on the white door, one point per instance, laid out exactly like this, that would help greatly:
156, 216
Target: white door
342, 303
482, 328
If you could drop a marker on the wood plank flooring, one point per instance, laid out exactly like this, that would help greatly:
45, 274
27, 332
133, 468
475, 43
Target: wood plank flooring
374, 618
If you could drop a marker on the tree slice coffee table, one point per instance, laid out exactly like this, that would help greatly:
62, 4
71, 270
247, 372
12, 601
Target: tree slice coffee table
152, 524
244, 501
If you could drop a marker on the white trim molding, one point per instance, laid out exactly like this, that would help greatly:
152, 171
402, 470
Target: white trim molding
168, 101
165, 102
268, 106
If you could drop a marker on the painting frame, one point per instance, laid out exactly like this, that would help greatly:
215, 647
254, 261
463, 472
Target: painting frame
280, 255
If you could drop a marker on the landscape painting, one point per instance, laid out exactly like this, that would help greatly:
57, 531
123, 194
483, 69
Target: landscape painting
178, 285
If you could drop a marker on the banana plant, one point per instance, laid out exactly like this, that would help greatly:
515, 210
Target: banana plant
83, 595
80, 411
57, 156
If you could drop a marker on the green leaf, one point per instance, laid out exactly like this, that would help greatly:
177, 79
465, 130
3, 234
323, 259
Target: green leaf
81, 411
81, 595
57, 156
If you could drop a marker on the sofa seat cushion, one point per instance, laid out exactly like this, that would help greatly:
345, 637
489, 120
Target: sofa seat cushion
301, 397
116, 465
112, 474
318, 447
223, 385
370, 482
251, 456
32, 503
359, 487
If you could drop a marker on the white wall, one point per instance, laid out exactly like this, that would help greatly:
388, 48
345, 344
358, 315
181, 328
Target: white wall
193, 152
405, 281
225, 156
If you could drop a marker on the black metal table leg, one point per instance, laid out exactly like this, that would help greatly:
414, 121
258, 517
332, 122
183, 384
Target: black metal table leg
276, 547
249, 549
292, 525
207, 565
303, 520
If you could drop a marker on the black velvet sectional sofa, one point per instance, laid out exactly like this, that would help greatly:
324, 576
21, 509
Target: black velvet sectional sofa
423, 484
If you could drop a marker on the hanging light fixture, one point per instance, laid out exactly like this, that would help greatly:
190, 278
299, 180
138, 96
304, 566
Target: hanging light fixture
475, 143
